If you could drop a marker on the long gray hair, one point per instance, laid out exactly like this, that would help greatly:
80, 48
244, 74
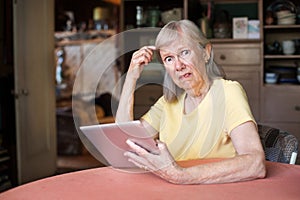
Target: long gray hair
173, 31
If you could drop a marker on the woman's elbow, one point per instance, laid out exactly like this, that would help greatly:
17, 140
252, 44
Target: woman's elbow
261, 170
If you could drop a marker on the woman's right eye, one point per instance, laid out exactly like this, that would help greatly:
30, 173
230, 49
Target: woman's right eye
169, 60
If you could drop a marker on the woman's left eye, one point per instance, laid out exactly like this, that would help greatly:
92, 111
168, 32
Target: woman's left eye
185, 52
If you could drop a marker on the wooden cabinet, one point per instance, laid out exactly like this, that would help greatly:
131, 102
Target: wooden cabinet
280, 102
238, 54
276, 60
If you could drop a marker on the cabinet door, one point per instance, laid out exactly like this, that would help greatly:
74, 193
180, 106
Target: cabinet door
250, 82
34, 86
281, 104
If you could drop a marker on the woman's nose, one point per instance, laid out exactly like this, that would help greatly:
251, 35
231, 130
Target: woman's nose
179, 64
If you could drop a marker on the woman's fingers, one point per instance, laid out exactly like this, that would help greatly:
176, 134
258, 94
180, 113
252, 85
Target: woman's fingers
140, 156
138, 160
153, 162
136, 148
139, 59
162, 165
144, 55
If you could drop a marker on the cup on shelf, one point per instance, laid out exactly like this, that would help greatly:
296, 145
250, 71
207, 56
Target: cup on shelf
288, 47
271, 77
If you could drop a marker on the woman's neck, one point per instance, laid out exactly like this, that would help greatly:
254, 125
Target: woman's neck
199, 91
194, 98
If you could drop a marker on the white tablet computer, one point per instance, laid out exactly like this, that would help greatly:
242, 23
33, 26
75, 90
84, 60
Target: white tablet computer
110, 140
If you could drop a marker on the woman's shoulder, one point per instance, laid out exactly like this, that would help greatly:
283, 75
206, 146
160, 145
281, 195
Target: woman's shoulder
232, 89
163, 102
228, 84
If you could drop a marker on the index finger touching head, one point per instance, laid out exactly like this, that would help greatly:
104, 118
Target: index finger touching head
152, 47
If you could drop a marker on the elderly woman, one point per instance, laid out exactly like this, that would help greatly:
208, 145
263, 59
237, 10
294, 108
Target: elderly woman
201, 115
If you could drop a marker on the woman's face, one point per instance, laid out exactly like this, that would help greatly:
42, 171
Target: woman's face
185, 64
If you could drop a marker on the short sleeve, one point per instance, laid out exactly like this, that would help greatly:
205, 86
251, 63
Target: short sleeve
237, 107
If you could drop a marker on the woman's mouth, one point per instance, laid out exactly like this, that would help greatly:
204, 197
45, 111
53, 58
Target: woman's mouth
186, 75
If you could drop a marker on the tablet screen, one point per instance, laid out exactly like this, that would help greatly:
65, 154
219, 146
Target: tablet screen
110, 140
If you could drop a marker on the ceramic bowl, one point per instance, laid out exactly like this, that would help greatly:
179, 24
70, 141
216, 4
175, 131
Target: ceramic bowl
271, 77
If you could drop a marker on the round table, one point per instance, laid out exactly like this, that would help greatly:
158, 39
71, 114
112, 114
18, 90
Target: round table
282, 182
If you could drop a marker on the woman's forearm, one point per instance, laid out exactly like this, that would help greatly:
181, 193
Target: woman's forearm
139, 59
125, 108
240, 168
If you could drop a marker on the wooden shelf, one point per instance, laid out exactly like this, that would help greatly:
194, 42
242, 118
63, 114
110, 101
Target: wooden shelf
284, 86
282, 56
283, 26
231, 40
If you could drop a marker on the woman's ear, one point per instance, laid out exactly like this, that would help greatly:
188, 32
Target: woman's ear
208, 50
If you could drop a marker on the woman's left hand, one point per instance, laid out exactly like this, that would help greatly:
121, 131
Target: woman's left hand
160, 163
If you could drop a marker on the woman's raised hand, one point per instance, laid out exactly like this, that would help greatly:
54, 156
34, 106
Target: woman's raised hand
139, 59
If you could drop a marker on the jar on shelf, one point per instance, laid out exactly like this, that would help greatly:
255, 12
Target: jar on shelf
153, 16
222, 26
139, 16
100, 16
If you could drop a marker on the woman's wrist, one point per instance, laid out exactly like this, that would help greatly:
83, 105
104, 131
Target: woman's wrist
131, 75
175, 174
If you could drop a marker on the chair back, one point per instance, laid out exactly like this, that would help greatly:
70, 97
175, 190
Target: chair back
279, 146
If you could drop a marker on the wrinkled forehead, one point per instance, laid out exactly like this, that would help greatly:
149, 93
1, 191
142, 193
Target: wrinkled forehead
174, 46
173, 41
168, 38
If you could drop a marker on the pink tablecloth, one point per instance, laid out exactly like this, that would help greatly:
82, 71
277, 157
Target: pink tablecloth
282, 182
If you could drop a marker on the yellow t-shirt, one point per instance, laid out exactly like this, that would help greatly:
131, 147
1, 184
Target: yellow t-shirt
205, 132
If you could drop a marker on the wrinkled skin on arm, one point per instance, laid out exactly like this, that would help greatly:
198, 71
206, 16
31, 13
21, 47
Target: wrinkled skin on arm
249, 164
